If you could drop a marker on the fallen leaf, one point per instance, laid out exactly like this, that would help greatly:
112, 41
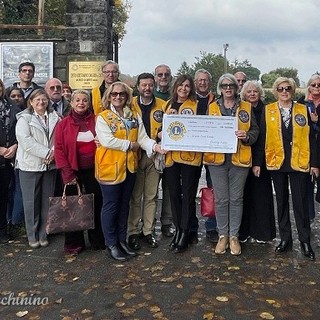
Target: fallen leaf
75, 278
208, 316
21, 314
59, 301
120, 304
154, 309
266, 315
234, 268
222, 298
271, 301
129, 295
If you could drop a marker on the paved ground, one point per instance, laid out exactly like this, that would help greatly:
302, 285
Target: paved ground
159, 284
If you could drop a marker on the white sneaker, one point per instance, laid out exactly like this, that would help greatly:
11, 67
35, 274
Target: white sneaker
222, 245
34, 245
235, 247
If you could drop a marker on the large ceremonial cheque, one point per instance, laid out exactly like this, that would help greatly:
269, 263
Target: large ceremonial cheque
199, 133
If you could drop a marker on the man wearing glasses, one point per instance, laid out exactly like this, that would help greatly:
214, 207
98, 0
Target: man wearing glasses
26, 74
59, 103
163, 80
110, 72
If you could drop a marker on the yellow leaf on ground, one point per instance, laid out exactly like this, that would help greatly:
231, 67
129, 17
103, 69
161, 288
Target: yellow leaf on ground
266, 315
222, 298
21, 314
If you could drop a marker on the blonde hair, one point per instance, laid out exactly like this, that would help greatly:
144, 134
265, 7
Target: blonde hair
106, 99
279, 80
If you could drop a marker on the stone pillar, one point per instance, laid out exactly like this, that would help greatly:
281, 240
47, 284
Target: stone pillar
88, 34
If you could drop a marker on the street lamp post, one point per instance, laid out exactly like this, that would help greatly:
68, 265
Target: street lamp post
225, 48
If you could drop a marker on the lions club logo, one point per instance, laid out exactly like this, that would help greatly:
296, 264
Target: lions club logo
300, 120
176, 130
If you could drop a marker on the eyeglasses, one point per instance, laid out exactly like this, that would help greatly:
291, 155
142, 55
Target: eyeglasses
285, 89
315, 85
110, 72
165, 75
120, 94
228, 86
58, 88
26, 70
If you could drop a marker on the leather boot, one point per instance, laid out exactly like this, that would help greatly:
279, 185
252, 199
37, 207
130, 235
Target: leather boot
123, 246
307, 251
183, 241
116, 254
175, 239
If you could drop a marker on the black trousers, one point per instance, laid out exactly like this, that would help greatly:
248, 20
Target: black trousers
183, 182
298, 185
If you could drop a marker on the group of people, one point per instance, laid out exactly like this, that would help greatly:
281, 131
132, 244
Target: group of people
109, 143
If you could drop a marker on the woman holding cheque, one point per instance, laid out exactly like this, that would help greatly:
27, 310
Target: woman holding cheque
229, 171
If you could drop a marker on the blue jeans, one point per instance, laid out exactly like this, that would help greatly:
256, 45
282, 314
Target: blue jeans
15, 205
211, 224
115, 209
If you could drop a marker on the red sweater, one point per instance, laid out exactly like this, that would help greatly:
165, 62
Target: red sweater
66, 148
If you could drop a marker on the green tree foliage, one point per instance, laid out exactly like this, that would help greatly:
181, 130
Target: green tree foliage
120, 18
268, 79
246, 67
26, 13
214, 63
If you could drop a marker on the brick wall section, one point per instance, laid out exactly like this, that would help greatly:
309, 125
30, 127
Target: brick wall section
88, 34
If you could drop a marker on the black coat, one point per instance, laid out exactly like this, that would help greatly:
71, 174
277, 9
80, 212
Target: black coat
8, 128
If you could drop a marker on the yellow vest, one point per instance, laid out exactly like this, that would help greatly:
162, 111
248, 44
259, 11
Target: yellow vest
156, 115
242, 158
189, 107
96, 100
300, 152
111, 165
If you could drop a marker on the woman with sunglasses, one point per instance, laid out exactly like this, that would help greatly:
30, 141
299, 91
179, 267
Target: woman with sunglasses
229, 171
288, 143
121, 133
312, 100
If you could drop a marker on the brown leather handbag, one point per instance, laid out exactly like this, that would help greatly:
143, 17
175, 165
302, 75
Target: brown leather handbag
70, 213
207, 208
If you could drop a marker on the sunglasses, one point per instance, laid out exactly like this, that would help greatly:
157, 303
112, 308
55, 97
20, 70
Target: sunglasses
315, 85
58, 88
120, 94
285, 89
228, 86
166, 74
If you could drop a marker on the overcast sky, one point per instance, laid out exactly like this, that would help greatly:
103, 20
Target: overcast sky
268, 33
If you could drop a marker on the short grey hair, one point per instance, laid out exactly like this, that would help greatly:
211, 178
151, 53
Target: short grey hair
229, 77
203, 71
252, 83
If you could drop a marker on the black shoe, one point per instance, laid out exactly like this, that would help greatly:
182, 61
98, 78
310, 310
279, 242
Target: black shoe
151, 241
4, 238
307, 251
193, 237
284, 246
212, 236
175, 239
116, 254
167, 230
123, 246
134, 242
183, 242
